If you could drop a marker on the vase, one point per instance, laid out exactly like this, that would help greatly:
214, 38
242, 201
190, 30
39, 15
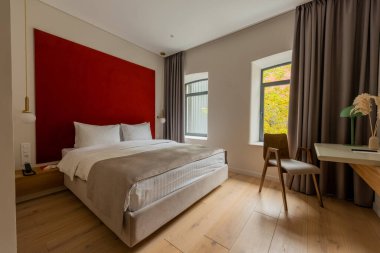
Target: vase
373, 143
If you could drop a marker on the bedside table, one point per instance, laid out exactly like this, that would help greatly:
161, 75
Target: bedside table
43, 183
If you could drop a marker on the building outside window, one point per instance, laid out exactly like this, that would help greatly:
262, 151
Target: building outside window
274, 99
196, 105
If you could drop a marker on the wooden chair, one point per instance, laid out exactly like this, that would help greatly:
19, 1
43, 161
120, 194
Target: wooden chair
276, 153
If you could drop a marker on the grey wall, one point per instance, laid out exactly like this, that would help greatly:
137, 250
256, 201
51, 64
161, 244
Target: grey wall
54, 21
228, 62
7, 176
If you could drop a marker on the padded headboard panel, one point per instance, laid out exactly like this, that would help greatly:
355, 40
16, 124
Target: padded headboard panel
77, 83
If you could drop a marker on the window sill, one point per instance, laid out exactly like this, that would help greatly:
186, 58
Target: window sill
195, 137
257, 144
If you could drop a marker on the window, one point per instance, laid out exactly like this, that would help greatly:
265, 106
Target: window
274, 99
265, 73
196, 106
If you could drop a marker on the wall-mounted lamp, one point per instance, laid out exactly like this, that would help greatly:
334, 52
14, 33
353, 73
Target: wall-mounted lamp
161, 117
27, 116
162, 120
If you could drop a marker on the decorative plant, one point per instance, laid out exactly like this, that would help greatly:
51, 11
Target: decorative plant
346, 113
363, 104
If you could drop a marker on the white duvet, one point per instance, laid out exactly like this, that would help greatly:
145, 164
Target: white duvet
79, 162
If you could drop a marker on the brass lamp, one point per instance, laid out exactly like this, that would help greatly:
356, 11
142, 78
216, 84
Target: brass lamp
27, 116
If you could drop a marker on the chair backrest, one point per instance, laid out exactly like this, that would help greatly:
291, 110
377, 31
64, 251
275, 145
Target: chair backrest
279, 141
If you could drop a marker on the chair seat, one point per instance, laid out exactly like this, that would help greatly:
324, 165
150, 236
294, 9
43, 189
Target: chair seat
295, 167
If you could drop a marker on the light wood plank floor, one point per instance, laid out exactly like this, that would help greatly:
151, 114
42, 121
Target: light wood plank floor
233, 218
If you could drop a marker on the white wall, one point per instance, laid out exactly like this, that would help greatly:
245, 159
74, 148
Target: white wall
228, 62
7, 177
51, 20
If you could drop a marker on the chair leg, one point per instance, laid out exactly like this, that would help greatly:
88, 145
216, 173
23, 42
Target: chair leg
291, 182
263, 176
283, 189
317, 190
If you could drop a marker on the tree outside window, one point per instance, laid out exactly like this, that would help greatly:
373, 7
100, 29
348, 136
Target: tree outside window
274, 106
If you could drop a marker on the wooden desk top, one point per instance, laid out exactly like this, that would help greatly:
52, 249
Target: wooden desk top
343, 154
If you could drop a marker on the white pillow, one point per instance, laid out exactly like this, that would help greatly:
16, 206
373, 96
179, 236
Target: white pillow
66, 150
88, 135
136, 132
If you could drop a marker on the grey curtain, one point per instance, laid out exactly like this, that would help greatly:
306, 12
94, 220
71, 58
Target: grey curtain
335, 58
174, 98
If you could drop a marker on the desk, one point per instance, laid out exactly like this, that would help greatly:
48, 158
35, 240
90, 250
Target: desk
366, 165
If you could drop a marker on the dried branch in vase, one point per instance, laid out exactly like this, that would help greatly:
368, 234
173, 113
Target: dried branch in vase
363, 104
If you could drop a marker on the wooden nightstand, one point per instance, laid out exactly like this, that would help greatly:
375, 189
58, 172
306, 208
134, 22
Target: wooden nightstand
43, 183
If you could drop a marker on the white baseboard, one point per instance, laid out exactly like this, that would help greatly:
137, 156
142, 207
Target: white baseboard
252, 173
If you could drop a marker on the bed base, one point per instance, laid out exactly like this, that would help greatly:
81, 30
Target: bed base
141, 223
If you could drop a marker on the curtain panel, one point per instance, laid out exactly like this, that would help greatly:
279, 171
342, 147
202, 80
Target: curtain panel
335, 58
174, 98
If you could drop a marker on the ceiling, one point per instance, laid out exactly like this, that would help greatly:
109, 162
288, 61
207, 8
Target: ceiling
171, 26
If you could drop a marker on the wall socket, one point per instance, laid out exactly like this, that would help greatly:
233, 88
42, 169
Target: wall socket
25, 153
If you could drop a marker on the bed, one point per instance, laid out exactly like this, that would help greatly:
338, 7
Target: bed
151, 200
106, 91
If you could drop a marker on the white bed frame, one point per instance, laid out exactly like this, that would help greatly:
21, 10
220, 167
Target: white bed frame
141, 223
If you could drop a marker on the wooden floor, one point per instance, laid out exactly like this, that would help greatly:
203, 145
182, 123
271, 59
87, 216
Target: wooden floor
233, 218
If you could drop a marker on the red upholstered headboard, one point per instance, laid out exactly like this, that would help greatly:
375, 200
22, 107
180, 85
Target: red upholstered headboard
77, 83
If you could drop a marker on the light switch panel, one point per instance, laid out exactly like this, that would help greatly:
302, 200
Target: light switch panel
25, 153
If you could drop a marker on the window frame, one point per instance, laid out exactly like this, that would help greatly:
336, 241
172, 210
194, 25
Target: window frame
194, 94
262, 87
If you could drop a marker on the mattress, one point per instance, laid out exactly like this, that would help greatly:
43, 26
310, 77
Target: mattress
149, 190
